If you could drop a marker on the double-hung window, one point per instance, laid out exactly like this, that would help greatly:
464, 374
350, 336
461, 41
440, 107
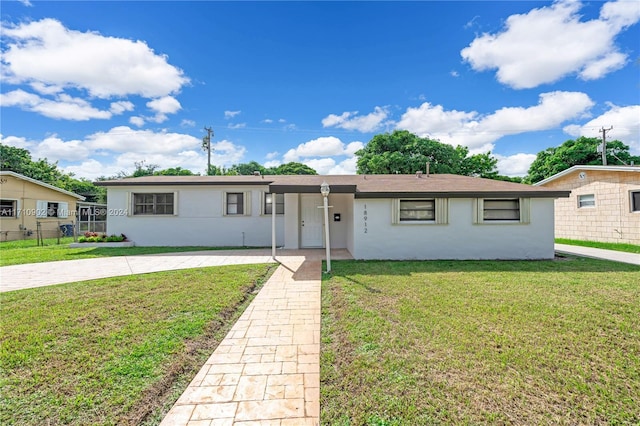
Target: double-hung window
161, 203
268, 203
237, 203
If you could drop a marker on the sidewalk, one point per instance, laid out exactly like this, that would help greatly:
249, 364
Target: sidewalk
17, 277
616, 256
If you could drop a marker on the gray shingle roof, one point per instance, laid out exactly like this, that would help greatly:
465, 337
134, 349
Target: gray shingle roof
363, 186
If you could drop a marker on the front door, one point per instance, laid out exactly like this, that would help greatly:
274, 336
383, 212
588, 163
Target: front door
311, 221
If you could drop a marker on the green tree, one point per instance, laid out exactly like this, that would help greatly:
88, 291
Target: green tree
404, 152
293, 168
19, 160
174, 171
246, 168
582, 151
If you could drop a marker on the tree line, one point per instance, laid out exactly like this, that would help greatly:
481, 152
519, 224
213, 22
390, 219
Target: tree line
388, 153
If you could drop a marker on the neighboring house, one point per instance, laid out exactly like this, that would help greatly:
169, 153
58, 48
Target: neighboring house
28, 205
604, 204
372, 216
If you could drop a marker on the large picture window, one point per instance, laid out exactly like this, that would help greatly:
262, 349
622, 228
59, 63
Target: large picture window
268, 203
153, 203
8, 208
420, 211
415, 210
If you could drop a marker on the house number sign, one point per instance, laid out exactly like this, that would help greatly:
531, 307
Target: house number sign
364, 216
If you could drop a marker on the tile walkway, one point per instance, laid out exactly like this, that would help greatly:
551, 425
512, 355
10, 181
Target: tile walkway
267, 369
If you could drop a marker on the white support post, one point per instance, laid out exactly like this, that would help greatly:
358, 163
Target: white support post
273, 226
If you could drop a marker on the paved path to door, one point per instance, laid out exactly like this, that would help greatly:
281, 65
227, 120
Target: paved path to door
266, 371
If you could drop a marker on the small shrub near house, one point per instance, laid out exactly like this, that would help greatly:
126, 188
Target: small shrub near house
95, 237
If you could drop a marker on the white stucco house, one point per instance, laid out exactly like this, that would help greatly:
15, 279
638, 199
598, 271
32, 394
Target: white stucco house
372, 216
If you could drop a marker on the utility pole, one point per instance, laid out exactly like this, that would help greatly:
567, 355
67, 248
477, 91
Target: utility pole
604, 144
206, 144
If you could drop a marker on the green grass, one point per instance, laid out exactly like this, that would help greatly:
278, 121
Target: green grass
114, 351
480, 342
27, 251
629, 248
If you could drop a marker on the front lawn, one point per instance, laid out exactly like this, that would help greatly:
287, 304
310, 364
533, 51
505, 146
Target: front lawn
477, 342
118, 350
27, 251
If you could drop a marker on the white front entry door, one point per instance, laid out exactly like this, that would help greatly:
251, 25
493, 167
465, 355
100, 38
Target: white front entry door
311, 220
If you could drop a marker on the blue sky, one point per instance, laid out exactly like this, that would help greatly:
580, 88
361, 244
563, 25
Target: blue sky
99, 86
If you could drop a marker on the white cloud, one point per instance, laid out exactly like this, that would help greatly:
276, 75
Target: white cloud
126, 139
267, 121
108, 153
352, 121
323, 146
104, 66
328, 166
162, 107
55, 149
237, 125
226, 153
231, 114
352, 147
272, 163
552, 42
321, 165
137, 121
454, 73
272, 155
625, 122
17, 142
119, 107
93, 169
187, 123
478, 132
63, 107
514, 165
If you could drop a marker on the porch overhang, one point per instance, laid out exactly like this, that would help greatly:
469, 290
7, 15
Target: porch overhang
310, 189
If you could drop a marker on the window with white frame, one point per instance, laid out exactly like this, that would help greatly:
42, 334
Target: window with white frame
8, 208
50, 209
635, 201
586, 200
268, 203
502, 210
420, 211
147, 203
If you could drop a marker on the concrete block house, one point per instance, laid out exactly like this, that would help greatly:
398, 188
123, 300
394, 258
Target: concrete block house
372, 216
604, 203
